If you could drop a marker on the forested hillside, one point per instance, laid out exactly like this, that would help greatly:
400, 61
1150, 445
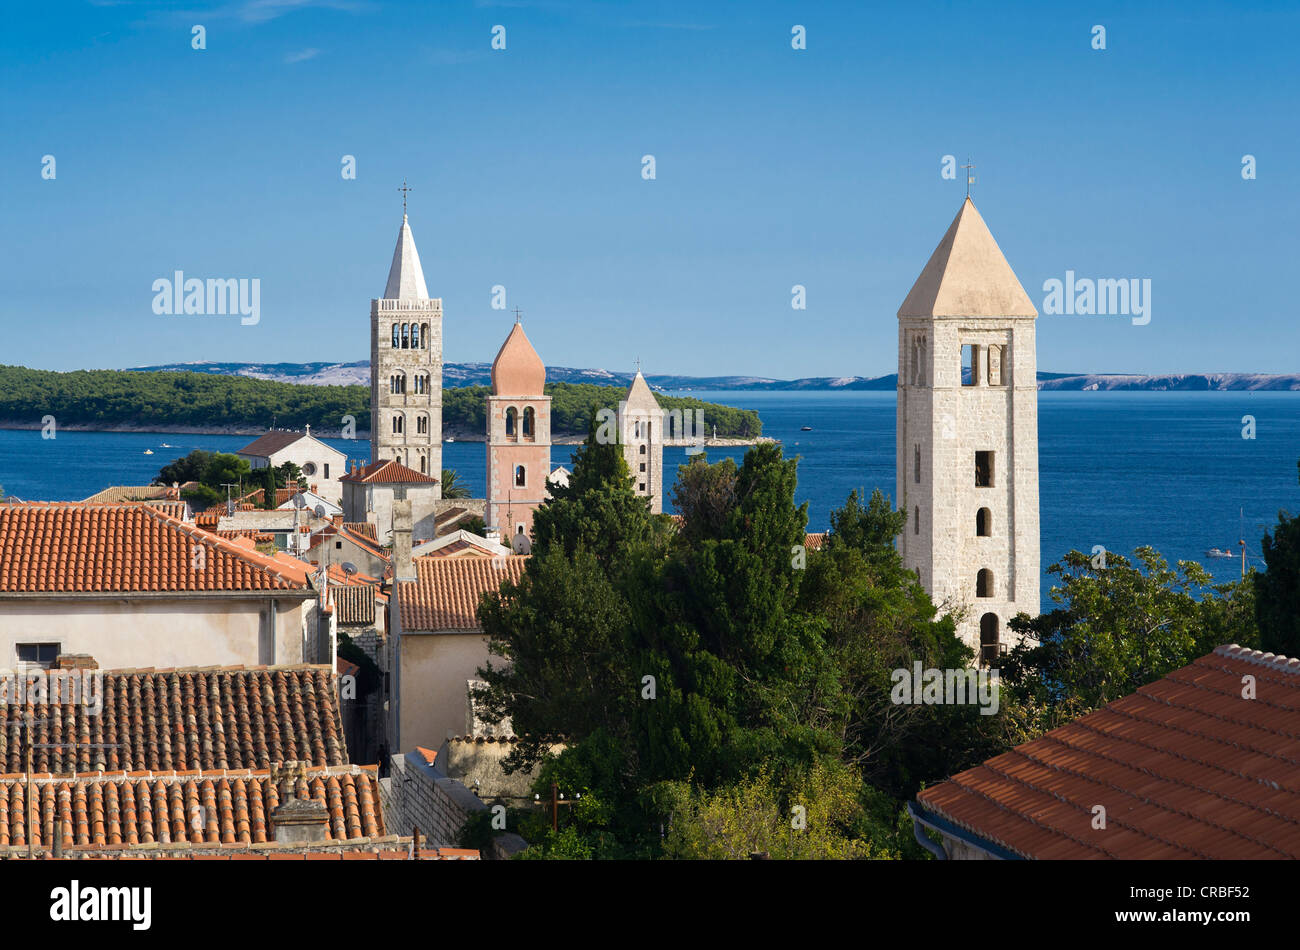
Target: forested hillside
117, 397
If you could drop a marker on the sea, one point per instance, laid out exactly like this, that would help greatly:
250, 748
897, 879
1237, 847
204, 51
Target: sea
1119, 469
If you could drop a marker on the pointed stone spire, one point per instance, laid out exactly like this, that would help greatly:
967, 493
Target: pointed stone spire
405, 277
967, 276
639, 395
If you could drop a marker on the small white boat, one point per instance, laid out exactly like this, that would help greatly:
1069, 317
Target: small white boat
1216, 552
450, 440
166, 445
148, 451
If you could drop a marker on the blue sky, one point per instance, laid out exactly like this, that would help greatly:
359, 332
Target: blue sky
774, 167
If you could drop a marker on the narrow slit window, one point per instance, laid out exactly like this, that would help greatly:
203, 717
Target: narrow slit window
970, 359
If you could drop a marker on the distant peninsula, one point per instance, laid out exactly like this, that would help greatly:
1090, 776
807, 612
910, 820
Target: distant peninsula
240, 404
479, 374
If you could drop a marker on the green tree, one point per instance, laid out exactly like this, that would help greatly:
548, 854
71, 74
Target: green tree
182, 470
453, 486
1277, 588
1120, 626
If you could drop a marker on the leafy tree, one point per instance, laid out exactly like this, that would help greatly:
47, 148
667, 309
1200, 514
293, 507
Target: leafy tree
1121, 626
453, 486
182, 470
1277, 588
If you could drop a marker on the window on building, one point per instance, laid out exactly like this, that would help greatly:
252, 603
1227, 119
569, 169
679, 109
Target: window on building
397, 336
424, 335
988, 638
983, 523
398, 427
37, 654
406, 336
970, 368
984, 583
996, 359
983, 469
916, 463
510, 423
309, 469
643, 466
916, 520
424, 464
643, 450
641, 487
415, 336
338, 545
327, 470
519, 476
529, 429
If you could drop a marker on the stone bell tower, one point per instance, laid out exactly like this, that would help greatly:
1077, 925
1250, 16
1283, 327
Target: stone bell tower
967, 430
406, 365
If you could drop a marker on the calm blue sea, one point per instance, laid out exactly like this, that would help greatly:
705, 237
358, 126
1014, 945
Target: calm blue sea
1117, 469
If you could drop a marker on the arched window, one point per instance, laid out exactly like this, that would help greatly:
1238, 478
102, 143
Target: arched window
424, 335
520, 476
397, 336
643, 450
636, 429
415, 336
510, 423
424, 464
530, 431
988, 638
398, 425
983, 523
406, 336
984, 583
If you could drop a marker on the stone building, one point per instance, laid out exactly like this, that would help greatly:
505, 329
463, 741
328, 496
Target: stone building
967, 434
321, 465
641, 432
406, 366
369, 493
518, 437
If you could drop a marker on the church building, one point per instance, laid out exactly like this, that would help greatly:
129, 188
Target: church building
967, 430
518, 438
406, 366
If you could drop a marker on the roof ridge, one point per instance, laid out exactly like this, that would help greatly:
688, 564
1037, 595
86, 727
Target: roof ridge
227, 545
1274, 661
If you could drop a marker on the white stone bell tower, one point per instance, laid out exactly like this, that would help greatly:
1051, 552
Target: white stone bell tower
967, 429
406, 365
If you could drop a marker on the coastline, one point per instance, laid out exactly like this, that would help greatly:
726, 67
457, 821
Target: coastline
457, 434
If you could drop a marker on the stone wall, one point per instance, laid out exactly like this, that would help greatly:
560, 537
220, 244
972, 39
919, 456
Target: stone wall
416, 794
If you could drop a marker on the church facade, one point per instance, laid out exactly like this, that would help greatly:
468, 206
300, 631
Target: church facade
967, 435
406, 366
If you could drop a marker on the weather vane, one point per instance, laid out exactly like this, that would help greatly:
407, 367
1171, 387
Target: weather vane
970, 177
404, 189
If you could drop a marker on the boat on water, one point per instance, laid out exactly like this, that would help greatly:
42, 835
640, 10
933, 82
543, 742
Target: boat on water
148, 451
1218, 552
806, 429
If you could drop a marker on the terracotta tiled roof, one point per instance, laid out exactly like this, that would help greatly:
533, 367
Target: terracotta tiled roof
342, 531
1185, 768
270, 443
215, 718
116, 494
446, 594
814, 542
217, 807
386, 470
364, 528
66, 548
234, 534
354, 604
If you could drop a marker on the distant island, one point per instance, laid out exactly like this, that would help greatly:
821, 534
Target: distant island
168, 401
479, 374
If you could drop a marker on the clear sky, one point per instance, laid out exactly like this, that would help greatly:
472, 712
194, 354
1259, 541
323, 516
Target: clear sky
774, 167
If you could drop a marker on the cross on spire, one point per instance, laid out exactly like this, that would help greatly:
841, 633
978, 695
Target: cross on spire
518, 315
638, 364
404, 189
970, 175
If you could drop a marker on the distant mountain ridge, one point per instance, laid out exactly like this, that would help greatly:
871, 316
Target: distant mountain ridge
480, 374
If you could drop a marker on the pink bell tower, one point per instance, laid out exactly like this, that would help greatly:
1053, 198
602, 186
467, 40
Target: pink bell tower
518, 438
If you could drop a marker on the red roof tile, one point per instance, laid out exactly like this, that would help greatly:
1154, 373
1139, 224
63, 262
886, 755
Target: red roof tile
386, 470
268, 444
1185, 768
66, 548
364, 528
216, 718
446, 594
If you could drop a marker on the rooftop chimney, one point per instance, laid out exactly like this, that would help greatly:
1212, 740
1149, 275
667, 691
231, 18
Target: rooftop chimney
299, 820
403, 564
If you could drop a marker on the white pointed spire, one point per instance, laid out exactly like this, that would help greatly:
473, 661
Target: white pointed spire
405, 277
639, 394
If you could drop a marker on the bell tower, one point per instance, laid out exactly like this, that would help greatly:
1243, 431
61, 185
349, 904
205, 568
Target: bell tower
967, 431
406, 365
518, 438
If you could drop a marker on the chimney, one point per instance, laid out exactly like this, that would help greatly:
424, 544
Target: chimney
299, 820
74, 661
337, 520
403, 564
